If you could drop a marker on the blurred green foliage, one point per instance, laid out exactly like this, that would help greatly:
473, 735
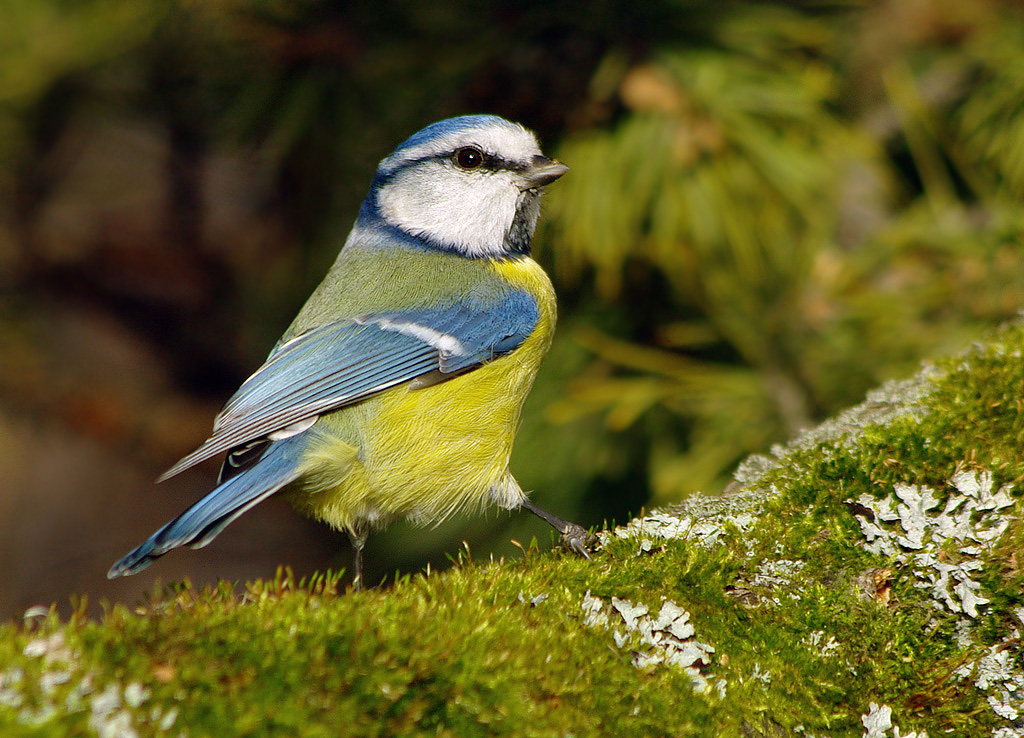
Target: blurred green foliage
810, 235
771, 206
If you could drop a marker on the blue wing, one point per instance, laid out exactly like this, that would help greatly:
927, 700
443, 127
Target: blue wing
342, 363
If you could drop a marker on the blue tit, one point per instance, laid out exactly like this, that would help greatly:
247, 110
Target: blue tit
397, 390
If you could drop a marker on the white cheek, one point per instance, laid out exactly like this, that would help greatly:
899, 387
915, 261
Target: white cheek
469, 211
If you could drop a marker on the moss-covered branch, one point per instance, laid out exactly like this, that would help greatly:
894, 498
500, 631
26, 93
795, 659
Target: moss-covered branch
865, 580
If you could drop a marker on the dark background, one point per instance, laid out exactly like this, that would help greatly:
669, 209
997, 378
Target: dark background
771, 208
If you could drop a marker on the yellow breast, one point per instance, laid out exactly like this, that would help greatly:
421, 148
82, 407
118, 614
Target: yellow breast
428, 453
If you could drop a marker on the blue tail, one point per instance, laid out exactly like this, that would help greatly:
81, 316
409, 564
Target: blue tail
201, 523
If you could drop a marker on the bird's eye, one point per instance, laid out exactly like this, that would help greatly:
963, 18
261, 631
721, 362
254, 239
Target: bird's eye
469, 157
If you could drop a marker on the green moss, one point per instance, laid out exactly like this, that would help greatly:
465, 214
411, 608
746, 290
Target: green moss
808, 624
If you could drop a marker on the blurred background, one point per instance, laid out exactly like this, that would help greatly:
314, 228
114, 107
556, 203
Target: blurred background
772, 207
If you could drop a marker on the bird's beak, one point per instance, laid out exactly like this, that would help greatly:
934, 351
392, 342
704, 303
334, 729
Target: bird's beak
542, 171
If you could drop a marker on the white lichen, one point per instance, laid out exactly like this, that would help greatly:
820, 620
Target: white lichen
777, 573
760, 675
11, 694
703, 520
595, 613
51, 648
135, 694
534, 600
915, 528
59, 686
1008, 733
825, 647
1002, 680
878, 722
963, 633
666, 638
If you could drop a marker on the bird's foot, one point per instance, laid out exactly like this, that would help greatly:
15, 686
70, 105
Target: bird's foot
578, 539
574, 537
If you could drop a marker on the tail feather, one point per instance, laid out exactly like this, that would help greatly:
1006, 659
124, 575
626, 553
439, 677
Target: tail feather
202, 522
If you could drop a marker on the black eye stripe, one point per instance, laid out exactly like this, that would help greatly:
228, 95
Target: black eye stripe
490, 162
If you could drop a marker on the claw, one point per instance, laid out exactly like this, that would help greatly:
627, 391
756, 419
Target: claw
578, 539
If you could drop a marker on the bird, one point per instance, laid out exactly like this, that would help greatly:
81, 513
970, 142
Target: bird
397, 390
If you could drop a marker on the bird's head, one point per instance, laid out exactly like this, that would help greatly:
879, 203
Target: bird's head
470, 185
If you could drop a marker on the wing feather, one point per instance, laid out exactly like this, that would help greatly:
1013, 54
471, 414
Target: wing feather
343, 363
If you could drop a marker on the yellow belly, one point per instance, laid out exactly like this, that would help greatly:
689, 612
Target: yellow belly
431, 452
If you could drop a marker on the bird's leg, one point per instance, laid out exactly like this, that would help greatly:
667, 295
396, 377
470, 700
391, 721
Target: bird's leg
575, 537
358, 537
